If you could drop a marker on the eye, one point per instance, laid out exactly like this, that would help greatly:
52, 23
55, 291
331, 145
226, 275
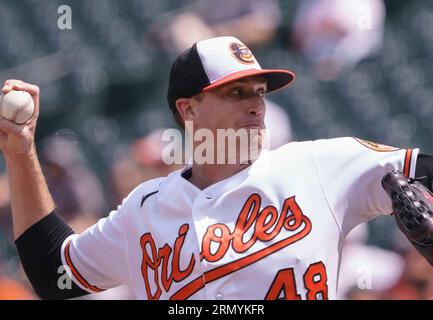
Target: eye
235, 92
261, 92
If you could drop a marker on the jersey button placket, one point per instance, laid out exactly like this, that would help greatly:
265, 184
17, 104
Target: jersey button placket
200, 210
205, 214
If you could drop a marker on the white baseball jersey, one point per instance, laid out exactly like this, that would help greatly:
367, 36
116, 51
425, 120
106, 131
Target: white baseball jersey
273, 230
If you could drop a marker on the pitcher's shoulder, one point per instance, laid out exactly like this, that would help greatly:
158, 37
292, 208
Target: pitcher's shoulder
294, 147
136, 197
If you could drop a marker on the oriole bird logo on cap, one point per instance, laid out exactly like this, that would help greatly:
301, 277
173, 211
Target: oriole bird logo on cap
242, 53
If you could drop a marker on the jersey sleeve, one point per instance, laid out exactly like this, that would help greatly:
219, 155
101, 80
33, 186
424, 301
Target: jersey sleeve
96, 259
351, 171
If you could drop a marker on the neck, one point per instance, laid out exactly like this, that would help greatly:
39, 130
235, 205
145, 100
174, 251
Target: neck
204, 175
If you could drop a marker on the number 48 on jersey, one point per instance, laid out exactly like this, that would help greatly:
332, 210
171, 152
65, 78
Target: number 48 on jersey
284, 284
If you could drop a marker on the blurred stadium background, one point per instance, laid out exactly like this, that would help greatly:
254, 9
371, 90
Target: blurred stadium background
363, 70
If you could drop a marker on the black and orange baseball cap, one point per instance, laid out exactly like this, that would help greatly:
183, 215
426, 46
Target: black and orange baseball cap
216, 61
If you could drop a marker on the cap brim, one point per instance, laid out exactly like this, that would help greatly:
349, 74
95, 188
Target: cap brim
276, 79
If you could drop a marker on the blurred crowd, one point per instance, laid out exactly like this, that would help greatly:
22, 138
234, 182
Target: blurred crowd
99, 134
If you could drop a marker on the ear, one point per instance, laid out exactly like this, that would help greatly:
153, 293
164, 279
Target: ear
185, 109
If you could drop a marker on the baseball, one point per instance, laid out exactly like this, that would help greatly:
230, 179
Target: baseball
17, 106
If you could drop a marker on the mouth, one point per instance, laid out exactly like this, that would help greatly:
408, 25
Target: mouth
253, 125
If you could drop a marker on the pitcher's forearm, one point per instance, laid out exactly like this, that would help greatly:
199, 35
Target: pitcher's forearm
30, 198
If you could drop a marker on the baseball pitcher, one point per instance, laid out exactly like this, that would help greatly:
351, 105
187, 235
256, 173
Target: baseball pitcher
267, 226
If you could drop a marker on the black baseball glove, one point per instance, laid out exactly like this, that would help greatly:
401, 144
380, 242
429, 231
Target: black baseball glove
412, 205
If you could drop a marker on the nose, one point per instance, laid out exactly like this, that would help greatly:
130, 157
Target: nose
256, 106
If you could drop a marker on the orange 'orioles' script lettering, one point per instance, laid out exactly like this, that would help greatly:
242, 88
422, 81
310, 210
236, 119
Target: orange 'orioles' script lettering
251, 217
260, 225
162, 256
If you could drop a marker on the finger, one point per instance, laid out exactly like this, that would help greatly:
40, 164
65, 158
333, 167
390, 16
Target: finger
34, 116
10, 127
8, 85
6, 88
12, 81
30, 88
19, 84
11, 86
34, 92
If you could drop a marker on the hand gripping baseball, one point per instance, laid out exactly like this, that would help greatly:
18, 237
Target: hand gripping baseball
412, 205
15, 138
